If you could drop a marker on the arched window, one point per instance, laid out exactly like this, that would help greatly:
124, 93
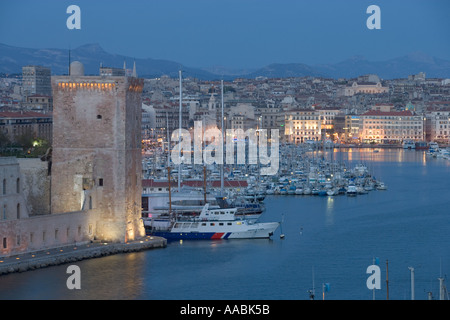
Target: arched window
18, 211
18, 185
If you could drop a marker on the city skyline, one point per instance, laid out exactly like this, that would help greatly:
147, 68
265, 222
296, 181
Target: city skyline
242, 34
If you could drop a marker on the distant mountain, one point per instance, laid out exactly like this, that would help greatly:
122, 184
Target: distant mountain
92, 55
399, 67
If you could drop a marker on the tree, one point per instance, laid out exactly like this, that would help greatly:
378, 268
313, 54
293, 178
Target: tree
4, 140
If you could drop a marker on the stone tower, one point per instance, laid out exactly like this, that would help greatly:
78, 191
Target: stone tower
96, 160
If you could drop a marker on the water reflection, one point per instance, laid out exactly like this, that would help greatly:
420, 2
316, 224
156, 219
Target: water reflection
329, 212
117, 276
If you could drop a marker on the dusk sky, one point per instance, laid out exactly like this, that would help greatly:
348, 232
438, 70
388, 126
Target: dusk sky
233, 33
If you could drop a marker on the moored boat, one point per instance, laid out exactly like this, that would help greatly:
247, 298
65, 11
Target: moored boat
212, 224
351, 190
409, 144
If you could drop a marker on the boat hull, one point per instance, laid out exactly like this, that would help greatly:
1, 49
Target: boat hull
236, 231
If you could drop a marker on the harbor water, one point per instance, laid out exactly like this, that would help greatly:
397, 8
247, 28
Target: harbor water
328, 240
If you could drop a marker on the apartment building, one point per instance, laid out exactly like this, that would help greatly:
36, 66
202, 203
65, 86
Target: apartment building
302, 125
438, 126
36, 80
391, 126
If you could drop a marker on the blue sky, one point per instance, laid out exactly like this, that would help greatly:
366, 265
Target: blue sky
233, 33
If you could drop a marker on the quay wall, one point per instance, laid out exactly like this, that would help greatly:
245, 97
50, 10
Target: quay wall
22, 263
46, 231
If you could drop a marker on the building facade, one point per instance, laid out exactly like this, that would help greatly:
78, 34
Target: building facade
438, 126
365, 87
391, 126
36, 80
302, 125
38, 103
14, 125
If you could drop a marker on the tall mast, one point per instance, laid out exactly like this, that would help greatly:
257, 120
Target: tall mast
441, 288
204, 183
179, 135
69, 60
221, 167
412, 283
168, 140
387, 281
170, 194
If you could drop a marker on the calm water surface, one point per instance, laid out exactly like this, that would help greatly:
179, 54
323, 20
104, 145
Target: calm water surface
327, 240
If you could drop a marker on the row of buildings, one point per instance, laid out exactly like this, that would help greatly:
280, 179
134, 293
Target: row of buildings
359, 110
379, 124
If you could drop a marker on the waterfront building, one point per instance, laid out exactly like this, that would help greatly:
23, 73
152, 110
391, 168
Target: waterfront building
36, 80
327, 116
354, 123
302, 125
342, 125
391, 126
438, 126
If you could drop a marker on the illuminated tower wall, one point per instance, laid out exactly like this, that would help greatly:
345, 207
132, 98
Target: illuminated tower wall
96, 161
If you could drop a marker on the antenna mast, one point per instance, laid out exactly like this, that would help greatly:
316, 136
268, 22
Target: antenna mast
179, 135
69, 60
221, 167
